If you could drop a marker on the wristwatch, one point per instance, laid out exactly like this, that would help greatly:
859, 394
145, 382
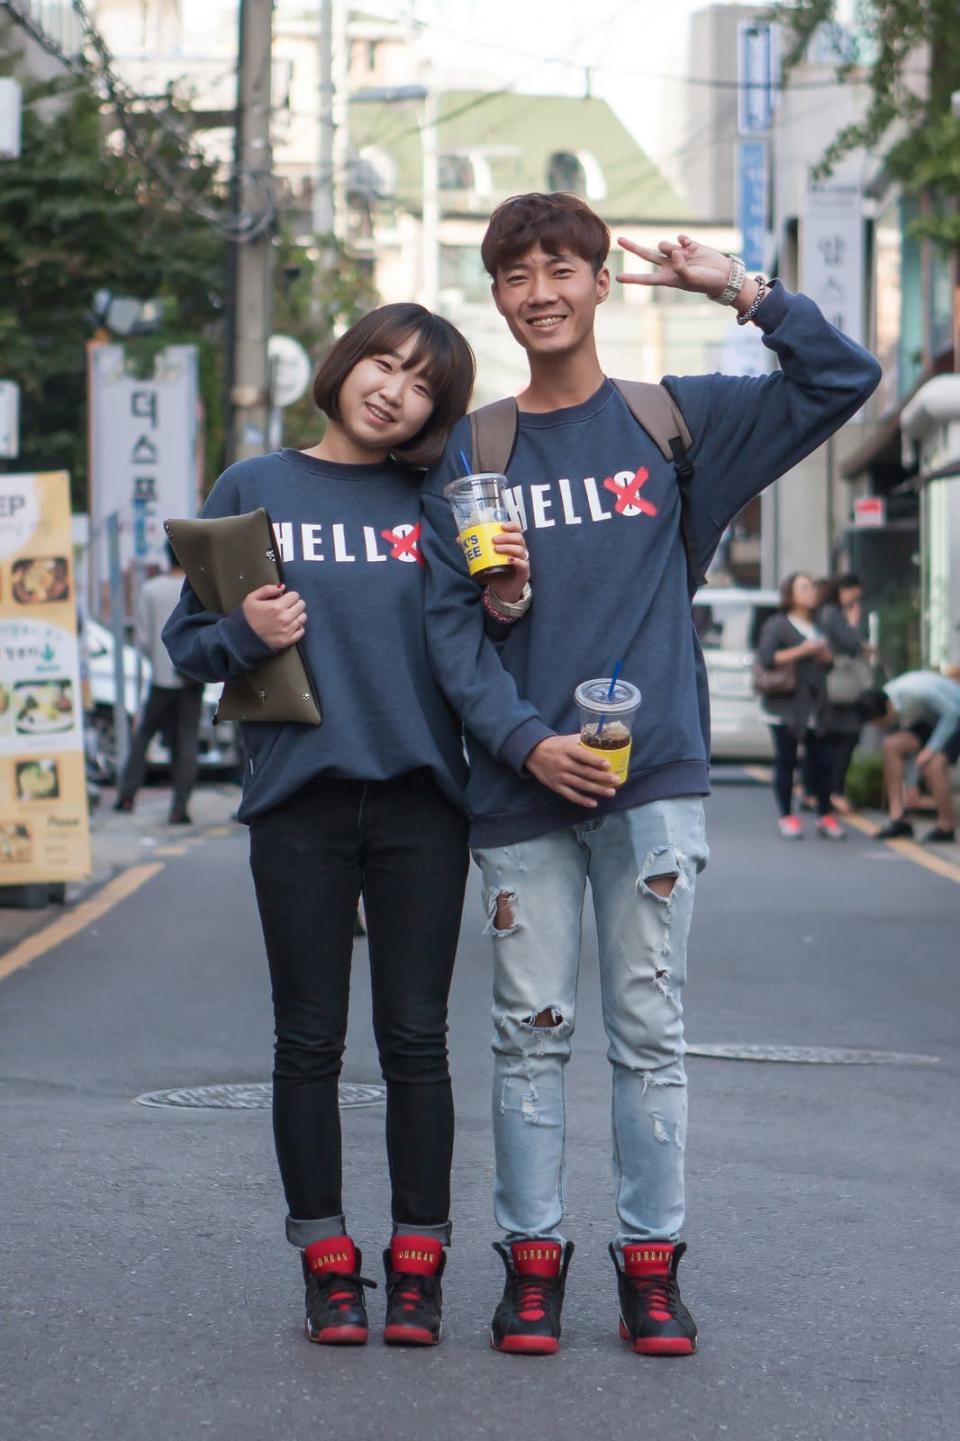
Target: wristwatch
733, 287
508, 609
764, 286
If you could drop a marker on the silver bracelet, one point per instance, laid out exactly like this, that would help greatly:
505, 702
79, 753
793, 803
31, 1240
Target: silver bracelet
733, 287
764, 288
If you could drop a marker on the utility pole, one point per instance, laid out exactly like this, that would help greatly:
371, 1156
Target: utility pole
323, 207
253, 259
430, 237
340, 111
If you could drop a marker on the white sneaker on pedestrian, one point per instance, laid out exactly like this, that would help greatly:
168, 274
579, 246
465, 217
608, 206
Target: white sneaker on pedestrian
791, 828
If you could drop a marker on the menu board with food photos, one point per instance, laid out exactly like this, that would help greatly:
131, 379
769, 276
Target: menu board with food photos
44, 821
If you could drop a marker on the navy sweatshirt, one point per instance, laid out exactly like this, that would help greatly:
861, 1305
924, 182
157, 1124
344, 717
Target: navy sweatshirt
349, 538
601, 511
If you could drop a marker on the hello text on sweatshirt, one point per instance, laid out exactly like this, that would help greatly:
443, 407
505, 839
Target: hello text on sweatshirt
601, 510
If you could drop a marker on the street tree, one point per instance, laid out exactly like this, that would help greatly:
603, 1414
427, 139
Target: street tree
911, 53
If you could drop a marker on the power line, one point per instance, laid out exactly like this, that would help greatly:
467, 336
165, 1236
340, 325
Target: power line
95, 65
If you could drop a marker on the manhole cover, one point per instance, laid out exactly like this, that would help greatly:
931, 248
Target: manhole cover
812, 1055
251, 1096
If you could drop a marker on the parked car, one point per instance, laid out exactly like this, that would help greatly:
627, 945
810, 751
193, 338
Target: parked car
219, 744
729, 622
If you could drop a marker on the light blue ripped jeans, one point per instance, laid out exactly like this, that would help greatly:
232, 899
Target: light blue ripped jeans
540, 887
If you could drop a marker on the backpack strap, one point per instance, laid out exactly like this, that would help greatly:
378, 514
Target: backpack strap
653, 407
493, 434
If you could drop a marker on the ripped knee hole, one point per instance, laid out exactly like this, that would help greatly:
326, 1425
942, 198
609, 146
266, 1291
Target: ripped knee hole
662, 885
545, 1019
503, 918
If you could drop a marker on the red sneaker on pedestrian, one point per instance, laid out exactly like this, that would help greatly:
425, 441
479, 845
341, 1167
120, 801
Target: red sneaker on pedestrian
830, 829
414, 1265
652, 1316
791, 828
336, 1310
527, 1320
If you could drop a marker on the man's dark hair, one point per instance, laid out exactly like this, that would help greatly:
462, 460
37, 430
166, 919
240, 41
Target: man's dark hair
558, 223
450, 370
847, 581
873, 705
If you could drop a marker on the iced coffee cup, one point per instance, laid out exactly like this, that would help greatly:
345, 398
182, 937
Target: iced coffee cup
480, 510
606, 722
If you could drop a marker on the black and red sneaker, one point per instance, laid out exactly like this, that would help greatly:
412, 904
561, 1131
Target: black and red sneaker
652, 1316
414, 1265
336, 1310
527, 1321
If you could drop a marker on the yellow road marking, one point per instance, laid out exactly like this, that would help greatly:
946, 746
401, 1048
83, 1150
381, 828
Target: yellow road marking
908, 849
218, 831
170, 851
759, 773
60, 930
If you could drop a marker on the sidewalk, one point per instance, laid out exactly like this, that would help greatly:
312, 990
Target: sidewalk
119, 841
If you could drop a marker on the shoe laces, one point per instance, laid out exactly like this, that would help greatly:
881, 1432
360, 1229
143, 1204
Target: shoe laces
343, 1291
412, 1289
532, 1295
659, 1294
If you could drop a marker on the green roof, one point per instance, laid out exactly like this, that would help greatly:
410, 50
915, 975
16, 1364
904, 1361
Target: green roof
516, 135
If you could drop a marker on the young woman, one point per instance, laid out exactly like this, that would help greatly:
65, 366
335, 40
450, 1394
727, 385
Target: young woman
791, 638
369, 801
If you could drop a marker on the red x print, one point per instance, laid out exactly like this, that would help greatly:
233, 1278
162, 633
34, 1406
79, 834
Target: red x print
629, 494
405, 547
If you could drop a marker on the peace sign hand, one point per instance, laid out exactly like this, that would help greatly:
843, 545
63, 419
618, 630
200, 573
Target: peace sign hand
683, 264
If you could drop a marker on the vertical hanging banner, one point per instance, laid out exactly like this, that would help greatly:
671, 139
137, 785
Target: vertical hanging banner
831, 251
756, 70
752, 192
44, 820
143, 450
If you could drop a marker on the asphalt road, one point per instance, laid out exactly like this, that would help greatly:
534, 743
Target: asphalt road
147, 1290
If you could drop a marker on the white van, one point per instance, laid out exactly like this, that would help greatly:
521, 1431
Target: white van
729, 622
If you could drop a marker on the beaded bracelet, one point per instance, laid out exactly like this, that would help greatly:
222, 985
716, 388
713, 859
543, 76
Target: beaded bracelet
519, 608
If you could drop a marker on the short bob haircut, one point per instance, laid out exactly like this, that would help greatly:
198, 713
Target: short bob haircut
450, 370
557, 223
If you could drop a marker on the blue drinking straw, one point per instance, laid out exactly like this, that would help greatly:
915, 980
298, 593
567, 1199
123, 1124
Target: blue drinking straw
464, 462
613, 685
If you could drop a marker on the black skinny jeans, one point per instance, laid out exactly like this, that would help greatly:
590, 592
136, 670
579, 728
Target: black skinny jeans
818, 767
405, 846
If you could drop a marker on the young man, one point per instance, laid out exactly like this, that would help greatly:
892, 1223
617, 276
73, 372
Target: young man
611, 572
924, 709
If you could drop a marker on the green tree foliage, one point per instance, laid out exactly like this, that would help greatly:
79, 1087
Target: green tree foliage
319, 292
78, 216
81, 212
911, 49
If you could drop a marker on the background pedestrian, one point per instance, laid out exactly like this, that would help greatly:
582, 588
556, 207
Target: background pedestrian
925, 708
839, 619
798, 714
173, 700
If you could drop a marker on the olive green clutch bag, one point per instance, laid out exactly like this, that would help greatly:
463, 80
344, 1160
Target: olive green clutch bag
225, 559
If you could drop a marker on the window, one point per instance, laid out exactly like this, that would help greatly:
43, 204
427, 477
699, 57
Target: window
371, 54
455, 172
565, 172
373, 174
462, 269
